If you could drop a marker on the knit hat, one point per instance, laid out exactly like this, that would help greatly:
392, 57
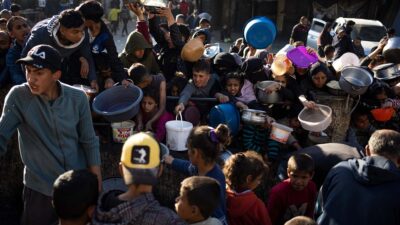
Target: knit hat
225, 62
141, 157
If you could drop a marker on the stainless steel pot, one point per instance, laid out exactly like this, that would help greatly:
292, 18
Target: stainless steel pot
387, 71
268, 98
355, 80
252, 116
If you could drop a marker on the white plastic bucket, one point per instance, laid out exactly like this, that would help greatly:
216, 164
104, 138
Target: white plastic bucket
122, 130
280, 133
177, 133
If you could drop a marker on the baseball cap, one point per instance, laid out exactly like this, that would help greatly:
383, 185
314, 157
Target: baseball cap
141, 157
43, 56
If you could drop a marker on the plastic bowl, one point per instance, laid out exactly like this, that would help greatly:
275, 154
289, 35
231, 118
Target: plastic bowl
226, 113
383, 114
301, 58
118, 103
316, 120
260, 32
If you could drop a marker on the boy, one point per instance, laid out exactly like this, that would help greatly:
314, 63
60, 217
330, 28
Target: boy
197, 200
295, 196
55, 131
140, 168
18, 29
75, 196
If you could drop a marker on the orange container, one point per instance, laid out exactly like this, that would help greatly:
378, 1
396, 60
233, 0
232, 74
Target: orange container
383, 114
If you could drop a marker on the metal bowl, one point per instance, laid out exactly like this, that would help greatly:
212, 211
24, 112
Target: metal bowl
268, 98
355, 80
387, 71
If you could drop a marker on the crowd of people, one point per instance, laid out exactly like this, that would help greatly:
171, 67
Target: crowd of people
59, 145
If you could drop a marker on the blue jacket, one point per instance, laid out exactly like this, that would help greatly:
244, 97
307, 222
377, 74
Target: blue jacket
44, 32
363, 192
17, 76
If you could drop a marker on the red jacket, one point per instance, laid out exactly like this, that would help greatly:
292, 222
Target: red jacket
246, 209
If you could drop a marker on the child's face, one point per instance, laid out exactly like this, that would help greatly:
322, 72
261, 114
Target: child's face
319, 79
182, 206
362, 122
233, 86
281, 80
175, 91
299, 179
200, 78
148, 104
20, 30
139, 53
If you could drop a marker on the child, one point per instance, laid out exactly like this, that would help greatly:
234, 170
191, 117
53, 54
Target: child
75, 194
244, 172
296, 195
148, 109
204, 145
140, 168
203, 84
240, 90
197, 200
155, 84
360, 130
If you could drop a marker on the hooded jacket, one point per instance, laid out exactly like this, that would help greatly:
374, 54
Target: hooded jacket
136, 41
45, 32
143, 210
363, 192
246, 209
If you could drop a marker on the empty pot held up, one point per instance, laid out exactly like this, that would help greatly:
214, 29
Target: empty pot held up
355, 80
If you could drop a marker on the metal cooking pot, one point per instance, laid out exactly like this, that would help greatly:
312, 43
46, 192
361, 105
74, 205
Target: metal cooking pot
387, 71
268, 98
393, 42
355, 80
252, 116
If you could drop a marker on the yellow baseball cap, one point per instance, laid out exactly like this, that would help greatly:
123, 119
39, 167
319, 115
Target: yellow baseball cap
141, 156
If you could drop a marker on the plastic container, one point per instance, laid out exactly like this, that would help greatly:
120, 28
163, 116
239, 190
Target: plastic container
383, 114
177, 133
301, 58
118, 103
280, 133
226, 113
260, 32
317, 119
122, 130
347, 59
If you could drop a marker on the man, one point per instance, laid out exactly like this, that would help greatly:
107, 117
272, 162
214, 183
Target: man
300, 31
66, 33
55, 131
342, 43
365, 191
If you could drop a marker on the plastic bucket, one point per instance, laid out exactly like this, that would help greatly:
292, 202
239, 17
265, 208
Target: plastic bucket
122, 130
280, 133
226, 113
177, 133
260, 32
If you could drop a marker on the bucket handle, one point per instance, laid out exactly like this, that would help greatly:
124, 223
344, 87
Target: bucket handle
181, 118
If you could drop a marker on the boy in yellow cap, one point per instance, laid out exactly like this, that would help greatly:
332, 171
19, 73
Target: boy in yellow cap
140, 168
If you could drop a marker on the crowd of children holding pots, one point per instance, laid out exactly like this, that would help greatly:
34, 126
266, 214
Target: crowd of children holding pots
153, 61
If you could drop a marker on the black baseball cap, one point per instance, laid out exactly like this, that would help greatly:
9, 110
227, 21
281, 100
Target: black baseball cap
43, 56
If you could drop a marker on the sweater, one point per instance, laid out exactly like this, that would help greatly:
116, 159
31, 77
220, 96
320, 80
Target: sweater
53, 137
246, 209
45, 32
187, 168
284, 202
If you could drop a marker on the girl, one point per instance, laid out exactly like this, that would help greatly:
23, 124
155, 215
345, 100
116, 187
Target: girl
244, 172
205, 144
157, 84
149, 108
316, 82
240, 90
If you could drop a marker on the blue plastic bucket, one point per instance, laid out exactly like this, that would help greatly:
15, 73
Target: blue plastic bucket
260, 32
226, 113
118, 103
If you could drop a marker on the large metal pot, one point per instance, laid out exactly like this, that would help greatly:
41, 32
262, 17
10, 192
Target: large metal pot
268, 98
252, 116
355, 80
387, 71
